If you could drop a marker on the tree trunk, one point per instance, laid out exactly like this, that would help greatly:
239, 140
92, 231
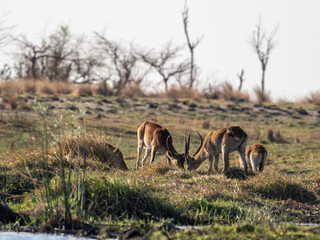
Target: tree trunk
191, 68
240, 85
262, 80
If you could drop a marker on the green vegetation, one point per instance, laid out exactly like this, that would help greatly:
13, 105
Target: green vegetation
55, 171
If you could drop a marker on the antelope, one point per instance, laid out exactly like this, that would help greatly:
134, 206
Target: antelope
256, 156
155, 138
225, 141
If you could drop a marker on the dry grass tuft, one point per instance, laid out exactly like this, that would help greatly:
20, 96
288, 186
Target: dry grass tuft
45, 87
85, 90
11, 88
226, 92
182, 92
261, 97
158, 168
30, 87
132, 91
63, 87
9, 91
314, 98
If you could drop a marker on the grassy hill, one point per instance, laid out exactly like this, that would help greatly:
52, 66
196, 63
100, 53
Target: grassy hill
43, 182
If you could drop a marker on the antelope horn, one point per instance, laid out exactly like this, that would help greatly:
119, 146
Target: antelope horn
186, 149
201, 142
188, 142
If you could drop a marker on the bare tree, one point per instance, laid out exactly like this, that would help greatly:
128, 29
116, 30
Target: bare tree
241, 79
191, 46
124, 63
51, 59
4, 31
263, 44
163, 62
61, 54
30, 64
87, 62
5, 72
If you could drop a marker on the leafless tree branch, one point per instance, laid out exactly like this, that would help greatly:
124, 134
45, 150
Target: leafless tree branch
191, 45
263, 44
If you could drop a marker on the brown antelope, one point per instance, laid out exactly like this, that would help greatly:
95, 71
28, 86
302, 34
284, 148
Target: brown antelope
225, 141
256, 156
157, 139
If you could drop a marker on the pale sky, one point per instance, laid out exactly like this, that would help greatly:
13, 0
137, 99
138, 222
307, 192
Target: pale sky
294, 67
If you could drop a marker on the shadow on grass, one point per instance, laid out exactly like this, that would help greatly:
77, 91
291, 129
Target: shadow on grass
283, 190
233, 173
237, 173
115, 199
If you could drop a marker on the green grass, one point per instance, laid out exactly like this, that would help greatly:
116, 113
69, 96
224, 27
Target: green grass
150, 202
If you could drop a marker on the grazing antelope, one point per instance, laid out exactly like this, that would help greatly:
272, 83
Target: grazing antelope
155, 138
225, 141
256, 156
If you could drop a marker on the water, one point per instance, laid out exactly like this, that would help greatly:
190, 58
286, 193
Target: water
36, 236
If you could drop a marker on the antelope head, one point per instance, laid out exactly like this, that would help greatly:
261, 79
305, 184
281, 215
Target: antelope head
178, 159
191, 161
